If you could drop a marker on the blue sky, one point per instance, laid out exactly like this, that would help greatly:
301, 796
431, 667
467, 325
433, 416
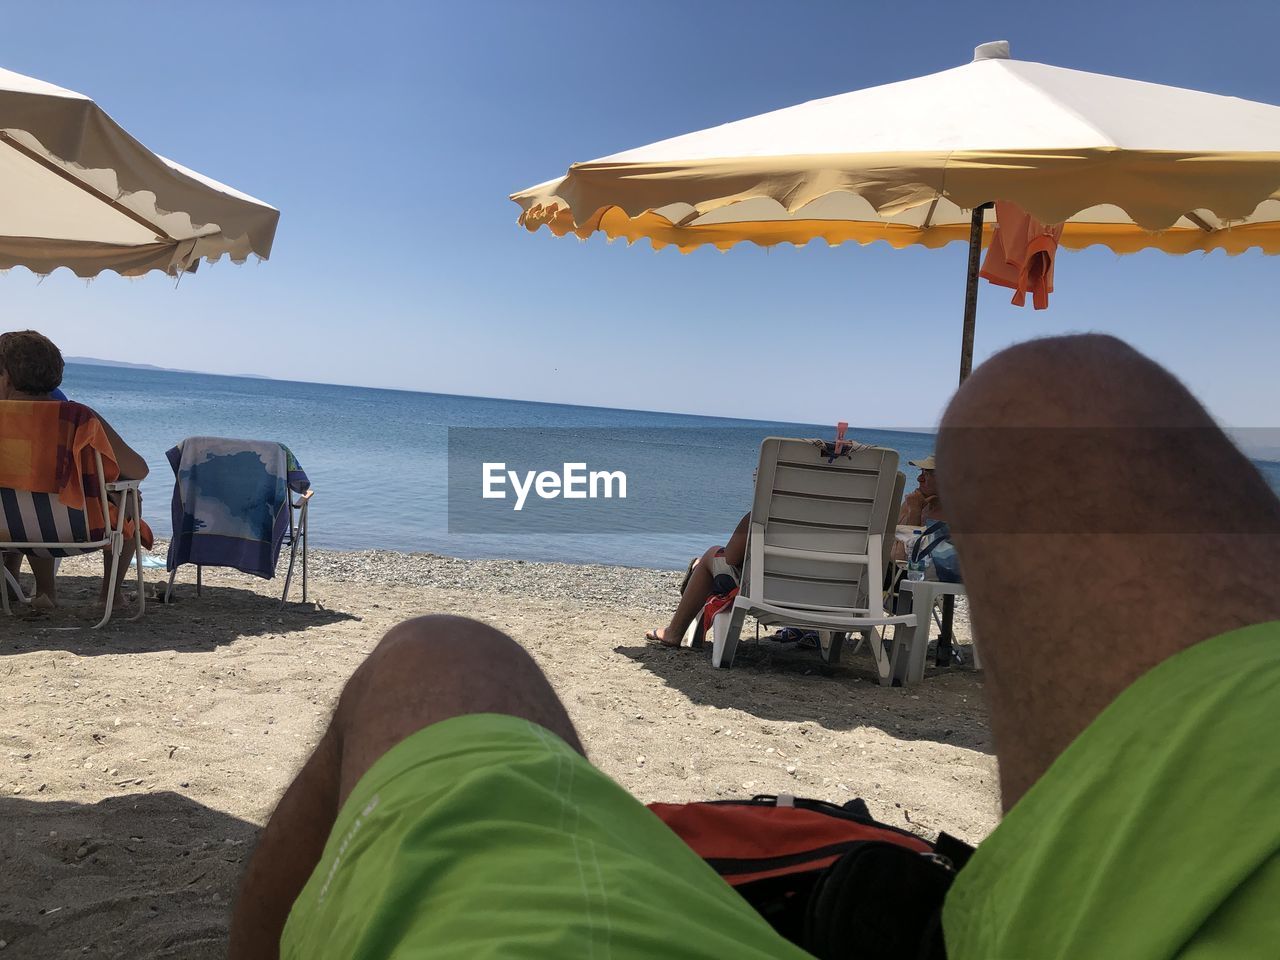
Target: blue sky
389, 135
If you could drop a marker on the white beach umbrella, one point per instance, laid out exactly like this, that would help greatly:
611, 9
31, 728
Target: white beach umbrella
1122, 163
77, 191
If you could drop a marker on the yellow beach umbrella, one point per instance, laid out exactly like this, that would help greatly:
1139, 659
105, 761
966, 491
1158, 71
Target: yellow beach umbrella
1122, 163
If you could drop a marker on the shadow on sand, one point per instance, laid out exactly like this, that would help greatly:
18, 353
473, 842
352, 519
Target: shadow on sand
139, 876
219, 616
789, 682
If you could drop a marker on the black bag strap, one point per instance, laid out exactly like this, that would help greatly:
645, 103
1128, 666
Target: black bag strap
938, 525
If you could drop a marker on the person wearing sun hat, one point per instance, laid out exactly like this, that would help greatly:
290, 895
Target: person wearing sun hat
921, 506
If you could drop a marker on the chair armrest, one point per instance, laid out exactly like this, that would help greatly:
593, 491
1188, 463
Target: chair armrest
117, 485
307, 495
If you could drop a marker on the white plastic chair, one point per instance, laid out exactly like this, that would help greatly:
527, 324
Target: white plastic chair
816, 551
909, 644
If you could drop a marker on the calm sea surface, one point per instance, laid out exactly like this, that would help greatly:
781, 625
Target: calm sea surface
378, 458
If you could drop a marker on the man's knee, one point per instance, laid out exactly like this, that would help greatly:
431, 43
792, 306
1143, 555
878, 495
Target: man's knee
441, 637
418, 655
1092, 380
1082, 429
433, 668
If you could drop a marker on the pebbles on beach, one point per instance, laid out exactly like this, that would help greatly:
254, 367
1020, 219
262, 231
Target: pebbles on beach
590, 586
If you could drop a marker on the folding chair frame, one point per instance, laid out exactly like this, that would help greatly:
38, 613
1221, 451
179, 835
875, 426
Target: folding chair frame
112, 540
297, 535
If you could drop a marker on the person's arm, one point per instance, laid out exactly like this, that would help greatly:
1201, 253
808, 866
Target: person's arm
912, 504
931, 508
131, 464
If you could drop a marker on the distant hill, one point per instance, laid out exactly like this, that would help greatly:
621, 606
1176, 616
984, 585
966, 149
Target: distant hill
96, 362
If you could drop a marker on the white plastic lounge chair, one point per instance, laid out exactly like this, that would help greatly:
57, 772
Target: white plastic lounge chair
40, 524
817, 550
830, 645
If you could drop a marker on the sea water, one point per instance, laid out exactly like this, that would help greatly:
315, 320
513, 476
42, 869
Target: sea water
378, 460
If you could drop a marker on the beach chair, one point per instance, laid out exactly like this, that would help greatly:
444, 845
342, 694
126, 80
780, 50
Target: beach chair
236, 503
830, 645
816, 551
35, 518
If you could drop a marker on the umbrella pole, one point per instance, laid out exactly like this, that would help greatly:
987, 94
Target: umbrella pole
971, 289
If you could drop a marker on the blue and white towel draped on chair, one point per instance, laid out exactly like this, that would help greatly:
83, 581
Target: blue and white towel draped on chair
234, 506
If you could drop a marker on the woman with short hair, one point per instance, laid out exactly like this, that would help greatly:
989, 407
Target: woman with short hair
31, 368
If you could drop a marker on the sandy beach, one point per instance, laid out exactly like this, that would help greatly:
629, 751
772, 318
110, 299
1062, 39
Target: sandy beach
140, 761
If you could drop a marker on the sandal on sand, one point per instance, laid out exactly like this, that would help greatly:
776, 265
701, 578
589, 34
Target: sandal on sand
651, 637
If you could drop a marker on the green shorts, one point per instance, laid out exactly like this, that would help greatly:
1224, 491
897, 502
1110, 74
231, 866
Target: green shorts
1155, 835
488, 836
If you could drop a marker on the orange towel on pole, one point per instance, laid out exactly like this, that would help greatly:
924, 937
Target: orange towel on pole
1021, 255
47, 446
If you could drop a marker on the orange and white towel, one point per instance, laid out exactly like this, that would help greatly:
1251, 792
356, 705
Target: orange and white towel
1021, 255
47, 446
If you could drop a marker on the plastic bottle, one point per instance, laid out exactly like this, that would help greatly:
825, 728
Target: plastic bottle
915, 567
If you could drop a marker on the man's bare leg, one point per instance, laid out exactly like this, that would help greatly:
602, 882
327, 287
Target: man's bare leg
45, 595
699, 585
692, 599
46, 579
423, 671
1103, 523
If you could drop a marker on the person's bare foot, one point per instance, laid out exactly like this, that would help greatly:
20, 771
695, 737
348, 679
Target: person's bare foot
42, 601
659, 637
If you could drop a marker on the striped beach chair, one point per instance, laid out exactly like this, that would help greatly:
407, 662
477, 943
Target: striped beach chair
38, 523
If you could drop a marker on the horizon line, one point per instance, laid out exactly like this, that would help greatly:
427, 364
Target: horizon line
153, 368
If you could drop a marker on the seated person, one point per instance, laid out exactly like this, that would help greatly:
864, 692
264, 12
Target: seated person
13, 561
697, 586
921, 506
31, 369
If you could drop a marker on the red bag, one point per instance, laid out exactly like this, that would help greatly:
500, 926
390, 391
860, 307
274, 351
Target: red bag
746, 840
830, 879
